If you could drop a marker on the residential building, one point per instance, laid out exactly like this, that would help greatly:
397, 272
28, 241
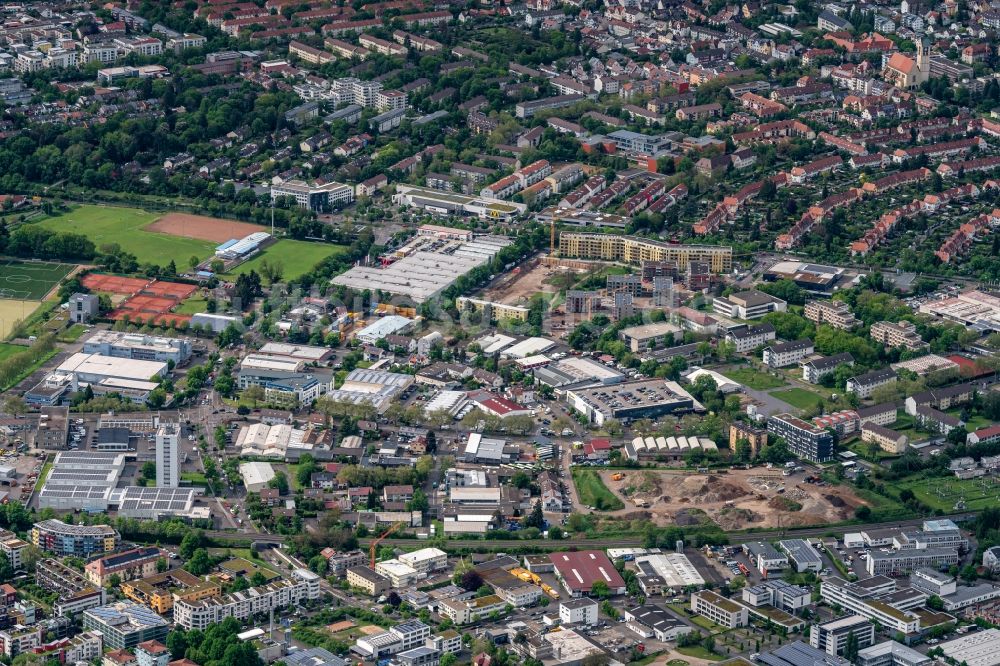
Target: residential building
814, 370
718, 609
168, 455
832, 313
756, 437
748, 337
751, 304
125, 624
64, 539
888, 440
784, 354
198, 614
127, 565
864, 385
635, 250
578, 611
365, 578
803, 439
903, 334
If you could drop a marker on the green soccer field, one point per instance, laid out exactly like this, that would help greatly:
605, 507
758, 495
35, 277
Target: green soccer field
29, 280
112, 224
295, 256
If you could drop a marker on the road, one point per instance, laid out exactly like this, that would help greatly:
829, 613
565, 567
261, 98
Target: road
613, 542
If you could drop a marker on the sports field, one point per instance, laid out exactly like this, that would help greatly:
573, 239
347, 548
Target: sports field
295, 256
29, 280
14, 311
111, 224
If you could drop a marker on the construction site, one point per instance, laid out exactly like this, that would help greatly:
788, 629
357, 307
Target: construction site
733, 499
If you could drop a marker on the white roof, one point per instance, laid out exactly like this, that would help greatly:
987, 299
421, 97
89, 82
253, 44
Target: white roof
95, 365
527, 347
385, 326
494, 343
256, 473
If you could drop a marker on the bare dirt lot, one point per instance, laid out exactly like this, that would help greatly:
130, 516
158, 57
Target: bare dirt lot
212, 229
517, 287
737, 499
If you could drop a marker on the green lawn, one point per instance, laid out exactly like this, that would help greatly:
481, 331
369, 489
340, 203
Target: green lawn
943, 492
193, 305
699, 652
593, 492
7, 350
295, 256
194, 478
754, 379
797, 397
71, 334
975, 422
124, 226
43, 475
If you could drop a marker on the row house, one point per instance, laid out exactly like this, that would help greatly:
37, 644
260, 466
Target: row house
582, 194
801, 174
939, 150
895, 180
842, 143
644, 197
776, 132
951, 169
961, 239
671, 198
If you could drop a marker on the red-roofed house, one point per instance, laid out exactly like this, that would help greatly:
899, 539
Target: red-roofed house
597, 449
984, 435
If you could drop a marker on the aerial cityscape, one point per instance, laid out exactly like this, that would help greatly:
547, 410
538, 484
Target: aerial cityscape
541, 333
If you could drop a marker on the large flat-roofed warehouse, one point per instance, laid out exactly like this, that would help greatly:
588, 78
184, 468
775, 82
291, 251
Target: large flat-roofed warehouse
578, 571
675, 569
425, 269
576, 371
82, 480
632, 400
634, 250
447, 203
375, 387
94, 368
981, 648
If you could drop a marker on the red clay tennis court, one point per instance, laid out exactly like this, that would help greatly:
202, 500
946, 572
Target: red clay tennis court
150, 318
113, 284
151, 304
175, 290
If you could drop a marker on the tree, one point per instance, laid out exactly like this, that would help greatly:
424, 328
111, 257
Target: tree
200, 563
471, 580
280, 481
149, 470
254, 394
162, 565
851, 648
600, 590
192, 541
535, 518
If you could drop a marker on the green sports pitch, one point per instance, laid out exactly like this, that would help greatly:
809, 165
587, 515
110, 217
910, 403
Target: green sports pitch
30, 280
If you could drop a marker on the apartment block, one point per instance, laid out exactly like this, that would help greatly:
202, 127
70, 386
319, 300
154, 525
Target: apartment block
199, 614
832, 313
719, 610
903, 334
805, 440
634, 250
785, 354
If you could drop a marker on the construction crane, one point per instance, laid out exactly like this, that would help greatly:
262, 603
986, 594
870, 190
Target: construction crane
376, 542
